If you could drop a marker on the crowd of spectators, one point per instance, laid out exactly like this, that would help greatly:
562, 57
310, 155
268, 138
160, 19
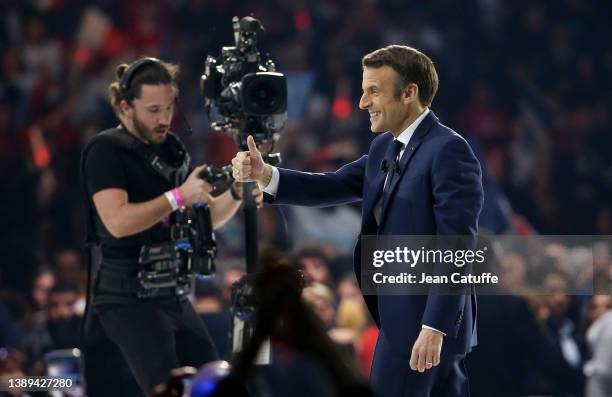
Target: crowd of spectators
528, 83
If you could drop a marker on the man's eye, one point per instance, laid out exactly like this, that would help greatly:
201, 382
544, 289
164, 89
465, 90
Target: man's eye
154, 110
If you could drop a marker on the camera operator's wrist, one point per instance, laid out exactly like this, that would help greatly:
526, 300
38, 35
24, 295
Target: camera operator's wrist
171, 200
175, 199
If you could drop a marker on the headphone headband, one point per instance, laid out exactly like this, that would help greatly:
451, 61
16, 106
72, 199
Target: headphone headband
124, 83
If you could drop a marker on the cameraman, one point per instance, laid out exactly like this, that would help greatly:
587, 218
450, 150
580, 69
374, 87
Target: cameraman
131, 203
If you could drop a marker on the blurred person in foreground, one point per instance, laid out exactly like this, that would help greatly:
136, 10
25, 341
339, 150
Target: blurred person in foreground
419, 178
306, 360
133, 190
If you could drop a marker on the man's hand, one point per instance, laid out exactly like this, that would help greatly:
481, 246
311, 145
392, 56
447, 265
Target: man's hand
426, 350
194, 188
250, 167
257, 193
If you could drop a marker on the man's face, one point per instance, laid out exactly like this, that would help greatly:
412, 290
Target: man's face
61, 305
315, 270
600, 304
387, 113
152, 112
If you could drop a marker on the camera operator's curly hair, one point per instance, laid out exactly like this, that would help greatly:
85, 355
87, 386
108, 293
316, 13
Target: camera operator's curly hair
154, 73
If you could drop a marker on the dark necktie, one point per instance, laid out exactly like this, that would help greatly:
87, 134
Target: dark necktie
392, 167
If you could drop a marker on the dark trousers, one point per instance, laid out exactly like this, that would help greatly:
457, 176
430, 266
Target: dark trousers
391, 375
156, 336
105, 369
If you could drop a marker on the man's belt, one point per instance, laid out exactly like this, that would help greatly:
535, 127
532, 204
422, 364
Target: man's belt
123, 279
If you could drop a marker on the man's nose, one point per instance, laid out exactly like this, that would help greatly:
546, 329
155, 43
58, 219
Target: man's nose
165, 117
364, 102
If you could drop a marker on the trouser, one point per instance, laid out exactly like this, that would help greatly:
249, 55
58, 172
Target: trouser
105, 369
156, 336
392, 377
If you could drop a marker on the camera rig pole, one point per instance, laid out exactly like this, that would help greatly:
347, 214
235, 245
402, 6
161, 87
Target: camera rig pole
251, 228
250, 212
244, 305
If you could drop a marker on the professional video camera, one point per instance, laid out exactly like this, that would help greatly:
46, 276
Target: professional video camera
251, 98
191, 251
249, 95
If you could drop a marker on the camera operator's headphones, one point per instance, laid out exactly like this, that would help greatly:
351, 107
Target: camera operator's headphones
128, 75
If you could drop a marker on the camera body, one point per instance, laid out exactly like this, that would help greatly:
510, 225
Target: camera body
190, 252
192, 247
248, 93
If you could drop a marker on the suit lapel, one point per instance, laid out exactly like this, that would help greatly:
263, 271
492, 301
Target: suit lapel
409, 152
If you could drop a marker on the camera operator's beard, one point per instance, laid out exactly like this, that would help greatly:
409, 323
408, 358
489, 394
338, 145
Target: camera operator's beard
156, 136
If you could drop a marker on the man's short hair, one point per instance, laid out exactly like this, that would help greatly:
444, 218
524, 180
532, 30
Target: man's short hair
150, 73
411, 66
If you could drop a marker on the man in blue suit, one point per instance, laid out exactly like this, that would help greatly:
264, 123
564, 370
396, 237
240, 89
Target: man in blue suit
418, 178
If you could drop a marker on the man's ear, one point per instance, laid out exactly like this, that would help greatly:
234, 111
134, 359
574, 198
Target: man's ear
410, 93
125, 107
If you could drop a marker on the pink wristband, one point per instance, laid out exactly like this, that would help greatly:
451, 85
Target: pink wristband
177, 197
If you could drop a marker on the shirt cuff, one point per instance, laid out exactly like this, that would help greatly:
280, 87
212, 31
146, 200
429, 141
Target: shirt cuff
272, 187
432, 328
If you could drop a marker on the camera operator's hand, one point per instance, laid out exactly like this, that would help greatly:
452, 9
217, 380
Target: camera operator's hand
250, 167
195, 189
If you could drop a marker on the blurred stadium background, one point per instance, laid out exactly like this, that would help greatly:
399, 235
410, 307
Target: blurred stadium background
528, 83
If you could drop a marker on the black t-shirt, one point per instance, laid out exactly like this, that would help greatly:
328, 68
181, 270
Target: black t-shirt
110, 166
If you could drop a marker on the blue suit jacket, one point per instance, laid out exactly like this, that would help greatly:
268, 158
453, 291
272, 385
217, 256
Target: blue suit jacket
439, 193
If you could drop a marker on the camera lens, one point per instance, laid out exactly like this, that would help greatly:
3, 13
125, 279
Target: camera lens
264, 94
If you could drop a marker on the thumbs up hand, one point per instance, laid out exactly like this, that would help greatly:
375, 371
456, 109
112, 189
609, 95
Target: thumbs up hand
249, 166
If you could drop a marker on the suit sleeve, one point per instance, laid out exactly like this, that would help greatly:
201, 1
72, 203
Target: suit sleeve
321, 189
458, 199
